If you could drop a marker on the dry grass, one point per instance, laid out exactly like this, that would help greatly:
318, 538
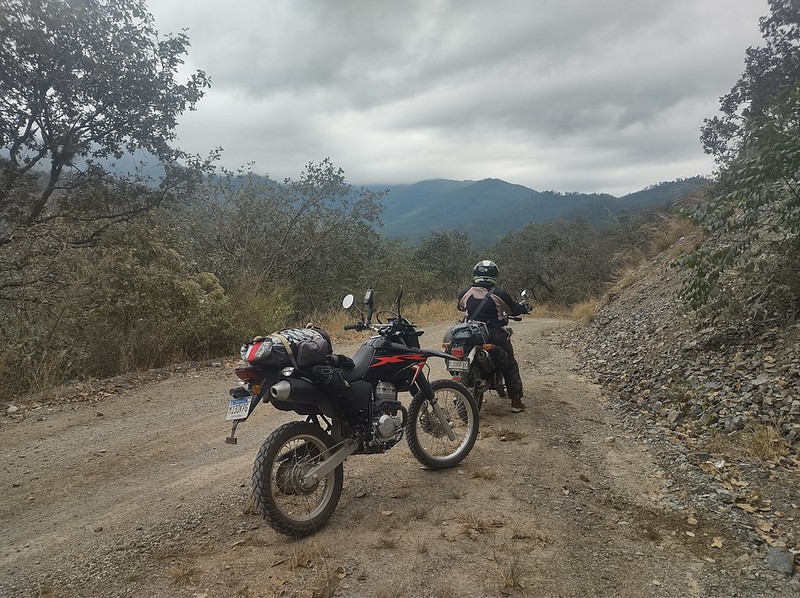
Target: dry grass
585, 311
549, 310
181, 574
484, 473
669, 231
662, 236
328, 581
626, 277
417, 511
306, 556
756, 441
510, 572
433, 311
518, 533
387, 542
440, 516
764, 442
248, 508
472, 522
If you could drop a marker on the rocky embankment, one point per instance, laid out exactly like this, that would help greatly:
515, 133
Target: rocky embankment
701, 395
695, 375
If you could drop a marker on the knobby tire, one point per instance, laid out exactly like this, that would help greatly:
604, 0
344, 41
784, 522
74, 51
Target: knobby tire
427, 440
283, 502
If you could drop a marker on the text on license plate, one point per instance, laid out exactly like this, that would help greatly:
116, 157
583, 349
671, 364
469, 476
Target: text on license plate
458, 365
238, 408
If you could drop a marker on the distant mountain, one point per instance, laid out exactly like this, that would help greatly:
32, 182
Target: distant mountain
491, 208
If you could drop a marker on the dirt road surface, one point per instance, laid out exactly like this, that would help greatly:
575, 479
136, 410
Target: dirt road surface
138, 495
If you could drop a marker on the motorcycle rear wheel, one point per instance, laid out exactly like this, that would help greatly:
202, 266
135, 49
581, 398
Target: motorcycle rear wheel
427, 440
475, 384
501, 386
477, 394
288, 505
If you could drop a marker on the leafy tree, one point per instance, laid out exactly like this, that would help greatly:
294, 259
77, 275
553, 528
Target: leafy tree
311, 236
82, 84
750, 262
563, 261
763, 104
82, 81
390, 266
447, 258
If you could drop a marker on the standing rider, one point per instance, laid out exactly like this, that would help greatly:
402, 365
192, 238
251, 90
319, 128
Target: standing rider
495, 311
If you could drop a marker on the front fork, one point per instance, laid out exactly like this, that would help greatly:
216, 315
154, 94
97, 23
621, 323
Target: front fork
425, 388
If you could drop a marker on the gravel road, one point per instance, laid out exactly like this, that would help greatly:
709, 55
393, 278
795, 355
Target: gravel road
133, 492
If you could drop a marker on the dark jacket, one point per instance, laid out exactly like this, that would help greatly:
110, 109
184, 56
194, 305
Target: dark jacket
495, 311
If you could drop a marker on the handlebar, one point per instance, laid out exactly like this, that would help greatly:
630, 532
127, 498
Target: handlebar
395, 325
364, 326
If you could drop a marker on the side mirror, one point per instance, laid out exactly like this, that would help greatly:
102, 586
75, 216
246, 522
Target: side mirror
348, 301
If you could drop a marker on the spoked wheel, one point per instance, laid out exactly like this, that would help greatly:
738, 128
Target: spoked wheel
428, 439
290, 504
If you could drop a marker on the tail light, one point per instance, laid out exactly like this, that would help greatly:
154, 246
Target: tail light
457, 352
246, 374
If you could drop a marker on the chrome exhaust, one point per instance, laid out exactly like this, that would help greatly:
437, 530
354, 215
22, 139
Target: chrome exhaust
280, 390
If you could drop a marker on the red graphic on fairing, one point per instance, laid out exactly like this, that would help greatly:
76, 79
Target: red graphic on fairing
403, 358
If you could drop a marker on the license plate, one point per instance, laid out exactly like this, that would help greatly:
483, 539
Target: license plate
238, 408
458, 365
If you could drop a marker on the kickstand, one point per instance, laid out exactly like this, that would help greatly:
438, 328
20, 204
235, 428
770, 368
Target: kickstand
232, 438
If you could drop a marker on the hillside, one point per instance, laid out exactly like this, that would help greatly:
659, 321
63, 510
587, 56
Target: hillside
491, 208
726, 395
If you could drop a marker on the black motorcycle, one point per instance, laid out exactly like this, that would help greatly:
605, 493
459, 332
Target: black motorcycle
475, 362
351, 407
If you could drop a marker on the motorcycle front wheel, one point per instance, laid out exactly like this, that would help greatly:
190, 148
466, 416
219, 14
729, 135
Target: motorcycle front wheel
428, 440
289, 504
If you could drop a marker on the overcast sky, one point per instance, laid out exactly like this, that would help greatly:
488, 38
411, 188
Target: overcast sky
570, 95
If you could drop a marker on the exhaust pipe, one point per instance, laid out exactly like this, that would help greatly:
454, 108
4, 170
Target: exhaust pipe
303, 392
483, 356
280, 390
485, 361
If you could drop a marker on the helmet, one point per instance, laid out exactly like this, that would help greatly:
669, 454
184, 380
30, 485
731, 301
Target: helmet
485, 271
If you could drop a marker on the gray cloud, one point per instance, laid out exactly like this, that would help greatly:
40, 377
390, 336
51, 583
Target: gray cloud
572, 95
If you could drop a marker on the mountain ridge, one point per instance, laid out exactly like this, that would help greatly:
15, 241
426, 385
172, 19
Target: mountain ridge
488, 209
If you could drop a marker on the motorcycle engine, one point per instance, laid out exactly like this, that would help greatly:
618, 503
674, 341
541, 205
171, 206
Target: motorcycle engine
388, 416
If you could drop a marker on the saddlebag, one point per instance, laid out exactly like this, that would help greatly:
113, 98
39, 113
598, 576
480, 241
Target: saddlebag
468, 333
300, 347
